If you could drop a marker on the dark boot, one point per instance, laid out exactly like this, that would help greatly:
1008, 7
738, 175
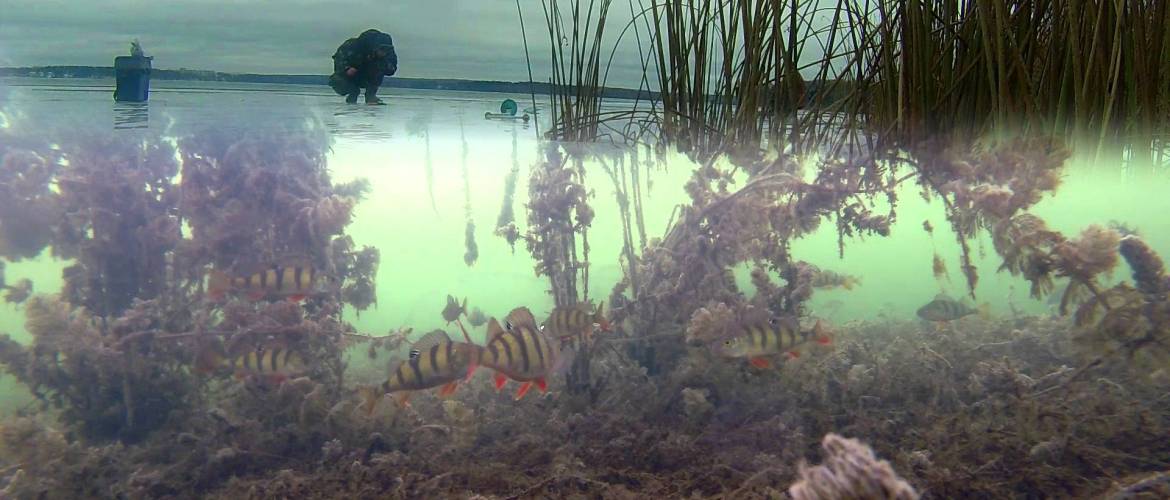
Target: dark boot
344, 86
372, 95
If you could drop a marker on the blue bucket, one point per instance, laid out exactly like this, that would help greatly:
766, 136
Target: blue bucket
132, 78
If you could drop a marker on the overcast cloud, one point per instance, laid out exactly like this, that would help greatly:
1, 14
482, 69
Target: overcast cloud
474, 39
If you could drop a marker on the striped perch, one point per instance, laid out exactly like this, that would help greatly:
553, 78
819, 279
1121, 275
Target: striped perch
521, 351
274, 364
291, 282
435, 360
574, 325
757, 337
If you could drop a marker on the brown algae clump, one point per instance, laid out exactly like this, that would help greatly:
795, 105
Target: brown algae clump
850, 471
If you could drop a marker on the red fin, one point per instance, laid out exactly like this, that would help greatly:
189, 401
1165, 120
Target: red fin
470, 372
523, 390
760, 363
448, 389
500, 381
793, 354
602, 321
822, 334
297, 298
404, 398
542, 384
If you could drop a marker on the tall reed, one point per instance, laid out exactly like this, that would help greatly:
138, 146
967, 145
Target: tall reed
731, 75
1093, 70
576, 75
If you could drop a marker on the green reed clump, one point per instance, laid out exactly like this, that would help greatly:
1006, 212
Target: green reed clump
1082, 69
576, 49
729, 77
729, 71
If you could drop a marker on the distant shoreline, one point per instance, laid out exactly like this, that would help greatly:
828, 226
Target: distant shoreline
450, 84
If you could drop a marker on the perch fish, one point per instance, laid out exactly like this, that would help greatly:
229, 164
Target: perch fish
521, 351
435, 360
477, 318
575, 325
453, 310
944, 308
294, 282
272, 364
826, 279
760, 336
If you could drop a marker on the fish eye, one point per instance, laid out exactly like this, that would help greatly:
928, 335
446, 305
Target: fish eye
726, 342
508, 325
772, 321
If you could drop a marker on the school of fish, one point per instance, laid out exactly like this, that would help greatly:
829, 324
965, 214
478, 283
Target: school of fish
519, 349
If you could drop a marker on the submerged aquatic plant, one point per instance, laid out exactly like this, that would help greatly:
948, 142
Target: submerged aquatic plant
505, 222
114, 350
559, 217
1130, 323
114, 385
851, 470
28, 206
472, 250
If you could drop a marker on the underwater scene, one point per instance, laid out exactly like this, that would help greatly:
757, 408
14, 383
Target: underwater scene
921, 260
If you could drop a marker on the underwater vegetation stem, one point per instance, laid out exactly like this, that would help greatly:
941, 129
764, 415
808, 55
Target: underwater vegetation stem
471, 253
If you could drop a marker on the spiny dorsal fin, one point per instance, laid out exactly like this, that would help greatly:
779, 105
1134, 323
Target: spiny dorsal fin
435, 337
494, 329
756, 317
521, 316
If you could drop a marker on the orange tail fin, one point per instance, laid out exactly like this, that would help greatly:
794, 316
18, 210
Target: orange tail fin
370, 397
218, 284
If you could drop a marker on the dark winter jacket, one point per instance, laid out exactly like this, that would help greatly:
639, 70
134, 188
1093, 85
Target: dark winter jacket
359, 53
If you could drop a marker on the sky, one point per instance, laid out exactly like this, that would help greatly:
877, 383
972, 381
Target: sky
471, 39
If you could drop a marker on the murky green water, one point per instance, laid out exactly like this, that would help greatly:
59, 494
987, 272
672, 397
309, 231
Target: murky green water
412, 152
